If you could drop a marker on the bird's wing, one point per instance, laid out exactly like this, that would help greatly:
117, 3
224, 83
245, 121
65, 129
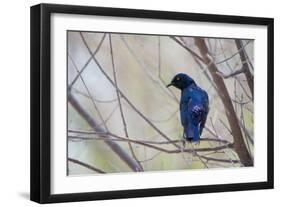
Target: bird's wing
194, 107
201, 107
184, 112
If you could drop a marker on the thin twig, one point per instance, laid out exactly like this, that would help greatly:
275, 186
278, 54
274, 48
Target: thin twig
95, 99
242, 103
88, 92
206, 139
229, 130
165, 119
234, 54
83, 137
188, 49
151, 158
237, 72
109, 116
247, 136
120, 104
94, 125
148, 72
123, 95
86, 165
245, 63
199, 157
232, 70
174, 97
146, 143
218, 159
224, 150
87, 62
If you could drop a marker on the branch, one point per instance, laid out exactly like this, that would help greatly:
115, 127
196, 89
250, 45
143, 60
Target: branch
197, 59
85, 165
114, 146
150, 144
219, 160
148, 73
109, 116
226, 59
75, 90
237, 72
151, 158
120, 105
231, 69
88, 92
212, 68
165, 119
243, 57
203, 139
123, 95
188, 49
239, 144
87, 63
242, 123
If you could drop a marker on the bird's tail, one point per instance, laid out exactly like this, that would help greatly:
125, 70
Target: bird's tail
192, 133
196, 133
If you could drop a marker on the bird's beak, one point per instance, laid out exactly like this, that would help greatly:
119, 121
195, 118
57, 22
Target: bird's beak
170, 84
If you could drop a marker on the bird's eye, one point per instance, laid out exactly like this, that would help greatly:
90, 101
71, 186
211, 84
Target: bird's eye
178, 78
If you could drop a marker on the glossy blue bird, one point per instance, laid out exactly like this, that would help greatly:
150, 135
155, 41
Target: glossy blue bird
194, 106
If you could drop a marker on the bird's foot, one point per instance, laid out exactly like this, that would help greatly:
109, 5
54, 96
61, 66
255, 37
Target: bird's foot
196, 143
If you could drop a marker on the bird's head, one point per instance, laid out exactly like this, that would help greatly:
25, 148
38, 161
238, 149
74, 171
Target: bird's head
181, 81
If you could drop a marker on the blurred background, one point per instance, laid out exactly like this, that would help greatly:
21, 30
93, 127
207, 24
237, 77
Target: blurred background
122, 118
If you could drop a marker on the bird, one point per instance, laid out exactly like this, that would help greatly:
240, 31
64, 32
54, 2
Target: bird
194, 107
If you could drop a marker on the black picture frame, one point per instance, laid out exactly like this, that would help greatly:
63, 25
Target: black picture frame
41, 102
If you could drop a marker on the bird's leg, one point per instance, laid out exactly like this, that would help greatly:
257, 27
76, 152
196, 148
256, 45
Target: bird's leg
193, 151
183, 143
183, 140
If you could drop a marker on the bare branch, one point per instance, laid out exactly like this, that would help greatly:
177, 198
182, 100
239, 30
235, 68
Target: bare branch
203, 139
197, 59
207, 64
148, 72
239, 144
226, 59
243, 56
87, 63
85, 165
232, 70
237, 72
123, 95
175, 98
114, 146
75, 90
109, 116
147, 144
219, 160
165, 119
188, 49
120, 105
89, 93
151, 158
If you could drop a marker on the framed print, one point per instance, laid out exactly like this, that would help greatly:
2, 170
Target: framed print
132, 103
